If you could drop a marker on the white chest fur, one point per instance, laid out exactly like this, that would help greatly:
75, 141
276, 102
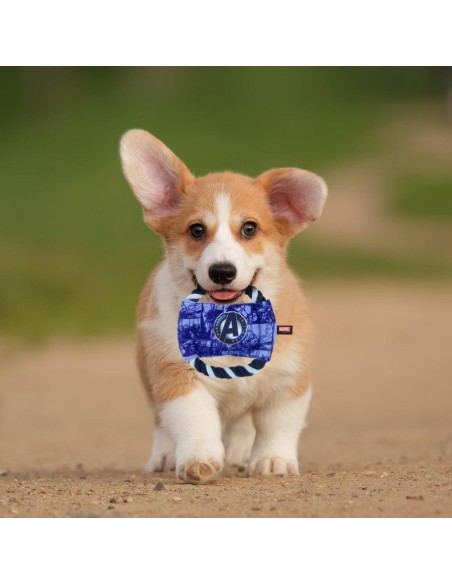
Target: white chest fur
233, 396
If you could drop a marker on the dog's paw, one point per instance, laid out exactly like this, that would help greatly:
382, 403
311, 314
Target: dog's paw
161, 462
273, 466
197, 470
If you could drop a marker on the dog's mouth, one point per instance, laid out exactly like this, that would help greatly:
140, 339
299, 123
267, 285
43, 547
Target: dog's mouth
223, 295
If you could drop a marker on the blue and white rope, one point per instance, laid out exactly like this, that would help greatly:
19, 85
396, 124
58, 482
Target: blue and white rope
227, 372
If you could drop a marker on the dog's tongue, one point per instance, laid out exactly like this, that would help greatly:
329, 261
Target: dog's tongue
223, 294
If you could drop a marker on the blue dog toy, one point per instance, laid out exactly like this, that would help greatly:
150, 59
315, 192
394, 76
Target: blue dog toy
211, 330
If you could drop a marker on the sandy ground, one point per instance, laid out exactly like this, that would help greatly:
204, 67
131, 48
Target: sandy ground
75, 427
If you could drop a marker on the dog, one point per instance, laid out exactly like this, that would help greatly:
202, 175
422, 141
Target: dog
222, 232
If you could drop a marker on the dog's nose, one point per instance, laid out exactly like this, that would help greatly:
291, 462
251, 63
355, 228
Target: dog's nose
222, 273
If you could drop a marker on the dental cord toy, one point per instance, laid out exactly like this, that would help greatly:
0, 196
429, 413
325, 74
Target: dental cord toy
242, 330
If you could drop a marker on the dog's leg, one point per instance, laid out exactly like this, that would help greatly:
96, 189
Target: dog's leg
162, 456
278, 427
238, 440
193, 422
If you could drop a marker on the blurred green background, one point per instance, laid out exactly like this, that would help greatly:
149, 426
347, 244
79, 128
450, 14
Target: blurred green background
74, 252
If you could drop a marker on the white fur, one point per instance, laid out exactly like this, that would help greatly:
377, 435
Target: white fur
278, 427
238, 438
162, 457
194, 425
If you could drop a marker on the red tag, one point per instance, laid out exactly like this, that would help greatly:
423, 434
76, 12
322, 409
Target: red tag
284, 329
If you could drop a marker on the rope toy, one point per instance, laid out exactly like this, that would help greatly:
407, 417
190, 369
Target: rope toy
211, 330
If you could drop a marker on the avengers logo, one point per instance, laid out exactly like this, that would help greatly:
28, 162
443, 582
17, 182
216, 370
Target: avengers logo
230, 327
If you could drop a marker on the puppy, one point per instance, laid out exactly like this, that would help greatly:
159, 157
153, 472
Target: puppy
222, 232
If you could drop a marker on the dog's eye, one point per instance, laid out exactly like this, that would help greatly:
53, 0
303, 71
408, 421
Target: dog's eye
249, 229
197, 231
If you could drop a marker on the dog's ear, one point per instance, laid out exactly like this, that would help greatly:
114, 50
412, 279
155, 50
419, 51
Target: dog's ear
296, 197
155, 174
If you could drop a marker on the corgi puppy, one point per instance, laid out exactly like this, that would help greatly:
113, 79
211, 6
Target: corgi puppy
222, 232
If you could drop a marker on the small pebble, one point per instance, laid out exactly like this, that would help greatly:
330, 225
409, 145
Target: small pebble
111, 507
113, 500
159, 486
177, 499
128, 499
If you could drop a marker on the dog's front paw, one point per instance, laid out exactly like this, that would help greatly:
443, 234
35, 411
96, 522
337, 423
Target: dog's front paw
199, 469
273, 466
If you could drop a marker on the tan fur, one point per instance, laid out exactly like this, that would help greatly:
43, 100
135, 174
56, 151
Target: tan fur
293, 310
250, 202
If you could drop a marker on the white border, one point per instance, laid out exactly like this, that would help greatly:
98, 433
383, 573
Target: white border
245, 550
237, 32
234, 33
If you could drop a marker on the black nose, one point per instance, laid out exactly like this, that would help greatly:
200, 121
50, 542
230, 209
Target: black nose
222, 273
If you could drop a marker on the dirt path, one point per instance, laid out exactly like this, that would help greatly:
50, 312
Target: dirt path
75, 429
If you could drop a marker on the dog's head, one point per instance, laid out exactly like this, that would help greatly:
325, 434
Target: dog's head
224, 229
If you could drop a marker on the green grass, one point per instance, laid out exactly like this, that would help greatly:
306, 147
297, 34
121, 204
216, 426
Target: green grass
424, 197
73, 249
322, 261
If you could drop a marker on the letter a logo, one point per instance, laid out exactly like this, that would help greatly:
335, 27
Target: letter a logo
230, 327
